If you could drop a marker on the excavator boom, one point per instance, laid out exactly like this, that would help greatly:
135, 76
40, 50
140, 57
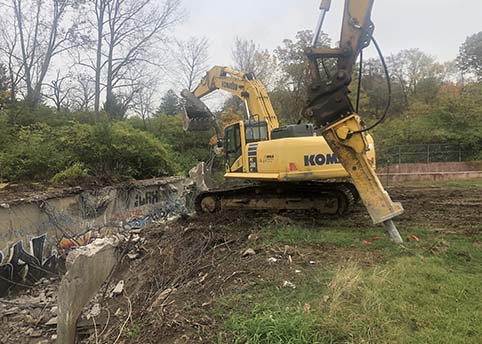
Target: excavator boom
243, 85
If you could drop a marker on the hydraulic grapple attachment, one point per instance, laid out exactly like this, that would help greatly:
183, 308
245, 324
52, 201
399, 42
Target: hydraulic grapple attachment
197, 116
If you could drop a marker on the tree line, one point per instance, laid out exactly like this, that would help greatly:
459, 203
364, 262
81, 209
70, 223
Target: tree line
89, 55
98, 66
432, 102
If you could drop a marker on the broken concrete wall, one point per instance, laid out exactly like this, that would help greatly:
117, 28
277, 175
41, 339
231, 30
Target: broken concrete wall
34, 233
88, 269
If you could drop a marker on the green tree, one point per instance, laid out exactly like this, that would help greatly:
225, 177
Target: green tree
116, 108
4, 94
3, 78
289, 92
170, 104
470, 56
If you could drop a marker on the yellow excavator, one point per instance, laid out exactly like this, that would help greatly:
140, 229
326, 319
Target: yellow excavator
293, 167
289, 168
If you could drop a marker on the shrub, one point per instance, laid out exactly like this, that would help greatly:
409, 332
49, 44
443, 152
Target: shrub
73, 175
109, 151
33, 155
188, 148
120, 150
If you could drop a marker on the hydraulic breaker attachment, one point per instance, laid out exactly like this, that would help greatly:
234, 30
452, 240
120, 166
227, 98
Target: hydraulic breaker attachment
197, 116
349, 143
329, 106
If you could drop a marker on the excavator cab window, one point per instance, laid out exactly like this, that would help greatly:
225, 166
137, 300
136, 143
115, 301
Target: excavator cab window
256, 131
232, 143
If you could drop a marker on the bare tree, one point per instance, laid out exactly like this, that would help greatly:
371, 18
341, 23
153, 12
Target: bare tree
8, 47
248, 57
131, 36
58, 90
191, 58
409, 67
100, 9
41, 35
143, 102
82, 93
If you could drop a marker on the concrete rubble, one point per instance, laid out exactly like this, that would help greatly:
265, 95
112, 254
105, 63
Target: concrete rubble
288, 284
33, 315
249, 252
31, 312
118, 289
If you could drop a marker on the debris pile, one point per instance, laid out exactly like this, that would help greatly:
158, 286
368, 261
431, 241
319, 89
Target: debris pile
31, 314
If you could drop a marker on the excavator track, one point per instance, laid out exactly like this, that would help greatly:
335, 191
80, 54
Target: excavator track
325, 198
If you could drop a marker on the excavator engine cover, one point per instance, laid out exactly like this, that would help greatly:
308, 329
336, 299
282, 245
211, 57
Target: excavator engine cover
197, 116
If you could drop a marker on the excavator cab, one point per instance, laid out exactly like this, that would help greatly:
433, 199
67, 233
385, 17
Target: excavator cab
256, 131
233, 147
237, 136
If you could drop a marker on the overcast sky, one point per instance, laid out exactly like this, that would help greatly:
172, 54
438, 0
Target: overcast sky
437, 27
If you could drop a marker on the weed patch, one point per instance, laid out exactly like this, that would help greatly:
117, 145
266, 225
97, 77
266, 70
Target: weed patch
424, 292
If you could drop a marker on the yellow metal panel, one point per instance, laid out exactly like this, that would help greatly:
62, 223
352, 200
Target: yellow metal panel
293, 159
253, 176
352, 150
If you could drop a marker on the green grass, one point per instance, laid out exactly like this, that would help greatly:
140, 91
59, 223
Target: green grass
298, 235
423, 292
342, 237
272, 324
134, 331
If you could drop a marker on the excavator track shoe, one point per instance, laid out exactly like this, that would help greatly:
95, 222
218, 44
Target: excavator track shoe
336, 199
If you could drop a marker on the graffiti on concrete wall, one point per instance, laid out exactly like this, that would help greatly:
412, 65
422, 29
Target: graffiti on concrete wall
13, 233
19, 265
69, 243
149, 198
131, 210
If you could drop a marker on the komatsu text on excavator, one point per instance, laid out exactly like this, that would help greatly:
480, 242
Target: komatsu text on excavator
326, 166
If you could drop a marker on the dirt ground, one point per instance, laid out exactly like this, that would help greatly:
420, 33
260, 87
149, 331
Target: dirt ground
448, 209
185, 268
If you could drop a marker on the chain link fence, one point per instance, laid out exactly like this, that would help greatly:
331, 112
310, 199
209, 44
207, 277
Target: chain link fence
427, 153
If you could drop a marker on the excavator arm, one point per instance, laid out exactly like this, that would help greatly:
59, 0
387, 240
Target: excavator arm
329, 107
221, 78
328, 97
242, 85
